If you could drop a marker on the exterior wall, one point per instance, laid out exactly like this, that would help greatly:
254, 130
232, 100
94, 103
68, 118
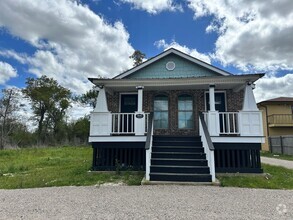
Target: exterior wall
184, 68
274, 131
234, 101
279, 109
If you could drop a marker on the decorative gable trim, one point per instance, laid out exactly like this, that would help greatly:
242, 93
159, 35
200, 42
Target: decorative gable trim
179, 53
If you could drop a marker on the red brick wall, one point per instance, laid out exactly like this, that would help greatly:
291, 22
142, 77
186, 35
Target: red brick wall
234, 102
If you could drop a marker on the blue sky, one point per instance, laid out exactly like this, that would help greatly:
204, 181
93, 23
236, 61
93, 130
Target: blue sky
73, 40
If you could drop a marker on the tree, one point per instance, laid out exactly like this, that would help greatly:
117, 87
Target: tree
79, 130
90, 97
137, 57
8, 106
49, 102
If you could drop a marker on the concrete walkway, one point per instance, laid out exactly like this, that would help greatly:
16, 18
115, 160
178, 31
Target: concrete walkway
277, 162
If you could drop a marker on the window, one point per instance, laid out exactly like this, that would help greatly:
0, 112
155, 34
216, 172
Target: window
185, 112
161, 112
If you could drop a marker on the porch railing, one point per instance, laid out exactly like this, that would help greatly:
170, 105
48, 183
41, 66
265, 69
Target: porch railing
229, 123
124, 123
207, 145
149, 145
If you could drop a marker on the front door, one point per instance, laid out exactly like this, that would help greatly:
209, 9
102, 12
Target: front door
128, 104
220, 102
220, 105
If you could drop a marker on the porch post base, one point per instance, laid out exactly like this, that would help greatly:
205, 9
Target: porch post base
214, 123
139, 123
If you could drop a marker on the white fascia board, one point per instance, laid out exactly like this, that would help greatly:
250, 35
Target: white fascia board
237, 139
179, 53
117, 139
237, 79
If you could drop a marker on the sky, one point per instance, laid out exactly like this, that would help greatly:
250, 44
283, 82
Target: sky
71, 40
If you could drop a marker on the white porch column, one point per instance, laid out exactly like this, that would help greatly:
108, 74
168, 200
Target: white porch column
139, 121
101, 103
249, 103
250, 118
139, 98
212, 98
101, 118
213, 115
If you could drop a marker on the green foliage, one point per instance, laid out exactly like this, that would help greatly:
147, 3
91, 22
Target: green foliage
78, 131
137, 57
277, 156
61, 166
49, 102
9, 105
89, 98
275, 178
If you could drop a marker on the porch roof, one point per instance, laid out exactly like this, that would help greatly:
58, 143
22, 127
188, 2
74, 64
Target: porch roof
235, 82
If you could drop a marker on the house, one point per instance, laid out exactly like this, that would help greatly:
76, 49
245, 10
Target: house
277, 118
177, 118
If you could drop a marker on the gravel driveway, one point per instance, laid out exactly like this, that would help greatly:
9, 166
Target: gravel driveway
146, 202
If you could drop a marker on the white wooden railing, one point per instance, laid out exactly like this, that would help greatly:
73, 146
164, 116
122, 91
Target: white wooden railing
149, 145
124, 123
229, 123
242, 123
208, 146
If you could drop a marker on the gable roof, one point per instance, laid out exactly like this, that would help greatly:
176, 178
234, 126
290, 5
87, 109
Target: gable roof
278, 100
178, 53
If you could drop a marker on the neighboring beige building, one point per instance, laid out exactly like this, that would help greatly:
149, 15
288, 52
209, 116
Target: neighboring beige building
277, 118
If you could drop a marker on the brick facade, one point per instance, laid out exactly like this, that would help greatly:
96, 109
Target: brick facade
234, 102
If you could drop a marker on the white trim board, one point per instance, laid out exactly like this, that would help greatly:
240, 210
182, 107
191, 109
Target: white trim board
237, 139
117, 139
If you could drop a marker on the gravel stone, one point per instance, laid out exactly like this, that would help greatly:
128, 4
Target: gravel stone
146, 202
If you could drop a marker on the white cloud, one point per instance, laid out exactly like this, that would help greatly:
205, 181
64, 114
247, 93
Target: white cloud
192, 52
273, 87
71, 42
6, 72
78, 110
253, 35
154, 7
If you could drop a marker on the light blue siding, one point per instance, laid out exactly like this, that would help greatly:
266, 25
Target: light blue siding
184, 68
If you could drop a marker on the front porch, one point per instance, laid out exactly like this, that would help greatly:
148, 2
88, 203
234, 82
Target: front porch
230, 142
178, 118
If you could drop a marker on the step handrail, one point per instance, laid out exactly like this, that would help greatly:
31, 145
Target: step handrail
207, 145
148, 146
206, 132
149, 131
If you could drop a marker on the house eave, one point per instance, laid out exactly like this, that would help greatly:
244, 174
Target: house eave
221, 82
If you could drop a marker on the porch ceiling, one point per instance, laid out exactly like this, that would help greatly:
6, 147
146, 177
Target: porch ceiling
235, 82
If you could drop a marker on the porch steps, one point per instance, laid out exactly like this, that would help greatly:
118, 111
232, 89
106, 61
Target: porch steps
178, 159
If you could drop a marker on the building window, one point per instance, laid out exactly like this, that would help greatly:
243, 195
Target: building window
161, 112
185, 112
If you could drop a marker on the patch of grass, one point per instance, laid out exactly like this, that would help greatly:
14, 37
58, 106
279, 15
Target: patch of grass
58, 166
276, 178
277, 156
